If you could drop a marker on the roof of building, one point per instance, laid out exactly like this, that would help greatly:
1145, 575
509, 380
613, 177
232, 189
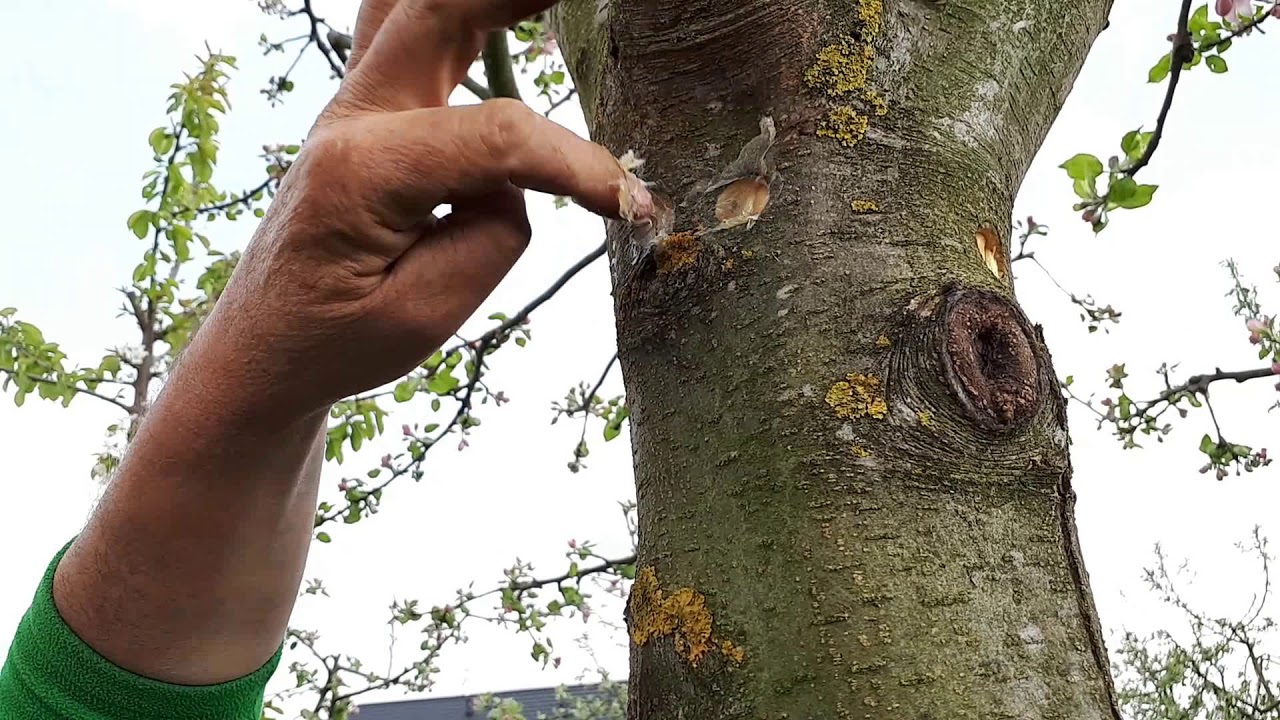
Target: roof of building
466, 707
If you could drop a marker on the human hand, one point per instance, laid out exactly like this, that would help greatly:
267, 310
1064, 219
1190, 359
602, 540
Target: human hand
351, 281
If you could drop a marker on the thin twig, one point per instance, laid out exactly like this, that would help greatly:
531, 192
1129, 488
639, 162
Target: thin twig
244, 198
497, 66
479, 90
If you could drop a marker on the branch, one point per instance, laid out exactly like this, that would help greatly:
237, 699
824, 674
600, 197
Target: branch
244, 198
476, 88
547, 294
479, 348
1200, 383
79, 391
573, 91
338, 68
497, 65
1184, 52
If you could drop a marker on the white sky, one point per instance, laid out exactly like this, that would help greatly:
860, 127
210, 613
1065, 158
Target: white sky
90, 83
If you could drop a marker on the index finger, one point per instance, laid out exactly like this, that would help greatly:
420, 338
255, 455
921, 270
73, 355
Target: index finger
424, 158
368, 21
422, 48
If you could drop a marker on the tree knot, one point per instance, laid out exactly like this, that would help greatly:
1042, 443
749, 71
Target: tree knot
991, 364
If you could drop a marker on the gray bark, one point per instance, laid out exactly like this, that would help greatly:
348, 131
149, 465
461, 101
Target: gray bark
850, 449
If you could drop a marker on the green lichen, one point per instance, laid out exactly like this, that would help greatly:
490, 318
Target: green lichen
846, 124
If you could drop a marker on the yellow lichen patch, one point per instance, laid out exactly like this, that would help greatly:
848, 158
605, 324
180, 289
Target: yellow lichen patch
859, 451
728, 264
925, 417
742, 202
883, 341
748, 254
863, 207
871, 13
682, 615
858, 395
878, 104
733, 652
678, 251
845, 124
841, 68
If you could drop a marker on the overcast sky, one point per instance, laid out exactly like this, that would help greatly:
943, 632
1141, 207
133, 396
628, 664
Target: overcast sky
86, 81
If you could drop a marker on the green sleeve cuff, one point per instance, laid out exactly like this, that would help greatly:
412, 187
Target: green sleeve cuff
52, 674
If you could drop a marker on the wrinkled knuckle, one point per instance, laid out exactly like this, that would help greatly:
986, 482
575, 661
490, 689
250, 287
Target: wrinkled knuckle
328, 153
506, 126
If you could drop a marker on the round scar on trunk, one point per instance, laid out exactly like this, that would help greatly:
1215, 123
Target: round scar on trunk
991, 364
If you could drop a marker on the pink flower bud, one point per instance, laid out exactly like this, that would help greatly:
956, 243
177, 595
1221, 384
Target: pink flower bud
1090, 215
1255, 325
1231, 10
463, 445
344, 486
1275, 368
386, 461
573, 544
408, 431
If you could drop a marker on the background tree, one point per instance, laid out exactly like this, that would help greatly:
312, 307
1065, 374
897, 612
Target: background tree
711, 310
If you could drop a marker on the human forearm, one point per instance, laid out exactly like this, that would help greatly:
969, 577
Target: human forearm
144, 585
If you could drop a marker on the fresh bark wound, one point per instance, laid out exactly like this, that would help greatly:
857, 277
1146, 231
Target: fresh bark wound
991, 364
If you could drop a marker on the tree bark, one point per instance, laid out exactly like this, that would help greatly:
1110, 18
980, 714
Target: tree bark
850, 447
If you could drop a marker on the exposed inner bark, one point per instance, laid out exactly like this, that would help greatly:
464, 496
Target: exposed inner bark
850, 449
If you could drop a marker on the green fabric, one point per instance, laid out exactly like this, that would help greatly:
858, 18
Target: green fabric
51, 674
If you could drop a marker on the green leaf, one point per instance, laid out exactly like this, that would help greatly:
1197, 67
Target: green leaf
1199, 20
611, 431
1083, 167
1160, 70
1121, 190
1216, 63
1135, 142
1207, 445
8, 312
454, 358
435, 404
1140, 196
140, 223
434, 361
443, 384
110, 364
405, 391
323, 537
161, 141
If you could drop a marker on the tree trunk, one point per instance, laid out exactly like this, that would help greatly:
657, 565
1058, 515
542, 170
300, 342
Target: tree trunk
850, 448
